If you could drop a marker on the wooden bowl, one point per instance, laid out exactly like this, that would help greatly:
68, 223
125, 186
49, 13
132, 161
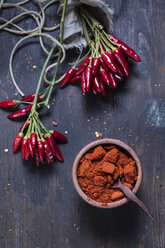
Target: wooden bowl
84, 150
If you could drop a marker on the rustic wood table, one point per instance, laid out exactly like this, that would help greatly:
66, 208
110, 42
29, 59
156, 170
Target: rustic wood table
39, 207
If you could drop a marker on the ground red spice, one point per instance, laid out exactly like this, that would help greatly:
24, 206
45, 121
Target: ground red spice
100, 168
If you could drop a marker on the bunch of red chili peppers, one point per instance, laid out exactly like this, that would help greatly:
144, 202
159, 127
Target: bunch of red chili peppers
107, 64
33, 138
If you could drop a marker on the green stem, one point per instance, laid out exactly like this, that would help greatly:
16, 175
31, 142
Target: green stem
41, 77
60, 51
84, 26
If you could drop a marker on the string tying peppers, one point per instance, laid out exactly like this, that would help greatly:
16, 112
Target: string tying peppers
106, 66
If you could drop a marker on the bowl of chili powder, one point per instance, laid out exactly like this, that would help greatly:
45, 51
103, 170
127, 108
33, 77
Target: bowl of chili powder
99, 165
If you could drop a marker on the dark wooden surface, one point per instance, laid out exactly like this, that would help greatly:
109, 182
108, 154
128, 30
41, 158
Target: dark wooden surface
39, 208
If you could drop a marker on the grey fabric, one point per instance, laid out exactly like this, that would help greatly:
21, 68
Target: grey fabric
73, 33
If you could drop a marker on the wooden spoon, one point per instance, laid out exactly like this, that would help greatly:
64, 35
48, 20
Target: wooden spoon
129, 194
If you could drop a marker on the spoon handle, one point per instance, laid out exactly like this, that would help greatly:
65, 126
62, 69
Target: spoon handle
134, 198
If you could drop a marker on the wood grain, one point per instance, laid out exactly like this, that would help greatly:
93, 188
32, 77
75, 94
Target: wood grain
39, 208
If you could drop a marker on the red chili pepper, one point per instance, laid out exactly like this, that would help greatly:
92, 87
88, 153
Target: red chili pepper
95, 66
119, 78
40, 147
58, 136
120, 73
96, 83
58, 153
27, 153
25, 125
30, 147
121, 61
33, 139
28, 98
88, 78
75, 79
48, 152
83, 83
38, 161
17, 141
126, 49
110, 61
94, 90
18, 114
70, 73
105, 77
105, 67
83, 66
52, 144
103, 90
112, 80
8, 103
24, 141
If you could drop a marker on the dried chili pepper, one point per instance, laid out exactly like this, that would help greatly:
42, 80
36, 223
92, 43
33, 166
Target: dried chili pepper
75, 79
17, 114
24, 141
83, 66
40, 147
17, 141
33, 139
105, 67
52, 144
58, 136
103, 90
95, 66
96, 83
109, 60
88, 78
83, 84
30, 147
70, 73
58, 153
25, 125
28, 98
121, 61
8, 103
105, 77
38, 161
112, 80
125, 48
48, 152
26, 152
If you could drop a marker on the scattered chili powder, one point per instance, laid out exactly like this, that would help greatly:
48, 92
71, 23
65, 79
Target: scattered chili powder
100, 168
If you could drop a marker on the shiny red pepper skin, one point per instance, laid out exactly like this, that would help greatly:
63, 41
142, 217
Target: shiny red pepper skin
112, 78
95, 66
88, 78
103, 90
105, 77
121, 61
48, 152
126, 49
119, 78
40, 147
23, 148
58, 136
38, 161
83, 84
109, 60
69, 75
96, 84
75, 79
26, 125
17, 114
8, 103
17, 141
105, 67
27, 153
52, 144
33, 139
30, 147
28, 98
83, 66
58, 153
94, 90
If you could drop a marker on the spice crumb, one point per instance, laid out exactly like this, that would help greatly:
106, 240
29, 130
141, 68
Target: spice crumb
6, 150
157, 177
55, 123
66, 132
98, 135
34, 66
